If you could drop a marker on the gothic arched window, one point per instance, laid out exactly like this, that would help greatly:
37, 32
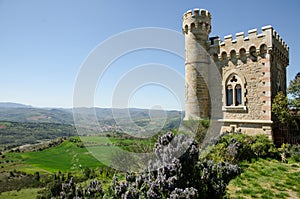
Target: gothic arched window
234, 91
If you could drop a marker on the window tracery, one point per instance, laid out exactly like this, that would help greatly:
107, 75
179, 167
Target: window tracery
234, 93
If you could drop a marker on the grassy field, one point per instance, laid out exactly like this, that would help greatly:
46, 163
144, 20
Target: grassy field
267, 179
97, 151
72, 155
22, 194
65, 157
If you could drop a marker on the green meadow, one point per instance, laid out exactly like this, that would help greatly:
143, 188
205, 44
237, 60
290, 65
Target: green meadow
266, 179
93, 152
21, 194
65, 157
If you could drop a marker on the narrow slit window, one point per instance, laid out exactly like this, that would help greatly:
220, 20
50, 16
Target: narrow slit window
229, 95
238, 95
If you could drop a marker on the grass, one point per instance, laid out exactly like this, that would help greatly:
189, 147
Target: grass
266, 179
22, 194
65, 157
126, 144
69, 157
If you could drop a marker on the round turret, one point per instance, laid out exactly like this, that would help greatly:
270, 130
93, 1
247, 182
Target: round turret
197, 23
196, 29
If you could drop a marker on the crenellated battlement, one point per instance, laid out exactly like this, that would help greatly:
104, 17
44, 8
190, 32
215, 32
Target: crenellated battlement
252, 44
280, 40
196, 13
197, 21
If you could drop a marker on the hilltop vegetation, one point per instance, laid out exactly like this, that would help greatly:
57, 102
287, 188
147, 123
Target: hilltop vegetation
22, 124
14, 134
35, 115
23, 113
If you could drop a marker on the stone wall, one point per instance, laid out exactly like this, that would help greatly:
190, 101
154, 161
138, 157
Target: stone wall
260, 60
252, 73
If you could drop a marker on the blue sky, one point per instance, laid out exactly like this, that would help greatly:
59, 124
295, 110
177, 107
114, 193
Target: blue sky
43, 43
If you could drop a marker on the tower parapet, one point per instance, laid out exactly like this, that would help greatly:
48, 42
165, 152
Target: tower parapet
255, 44
280, 49
198, 23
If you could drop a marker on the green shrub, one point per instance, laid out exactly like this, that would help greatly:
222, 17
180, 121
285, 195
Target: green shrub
290, 152
236, 147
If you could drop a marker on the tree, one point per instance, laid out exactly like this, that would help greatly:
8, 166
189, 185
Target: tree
294, 91
294, 102
287, 110
280, 108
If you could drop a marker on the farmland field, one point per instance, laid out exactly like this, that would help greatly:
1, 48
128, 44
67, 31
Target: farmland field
70, 157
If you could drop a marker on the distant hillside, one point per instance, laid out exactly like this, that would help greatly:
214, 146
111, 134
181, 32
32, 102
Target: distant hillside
131, 121
38, 115
23, 113
13, 105
18, 133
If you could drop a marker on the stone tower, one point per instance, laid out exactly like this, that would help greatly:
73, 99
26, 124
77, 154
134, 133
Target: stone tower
252, 69
196, 29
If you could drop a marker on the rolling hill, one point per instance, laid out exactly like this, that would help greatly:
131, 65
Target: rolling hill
24, 113
23, 124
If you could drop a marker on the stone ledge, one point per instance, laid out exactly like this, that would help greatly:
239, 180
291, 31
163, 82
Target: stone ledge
234, 108
246, 121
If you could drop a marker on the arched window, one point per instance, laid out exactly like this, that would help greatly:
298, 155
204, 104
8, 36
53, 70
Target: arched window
233, 57
232, 54
243, 56
263, 50
234, 91
186, 29
224, 56
193, 27
253, 54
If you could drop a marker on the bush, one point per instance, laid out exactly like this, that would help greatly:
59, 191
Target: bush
69, 190
290, 152
237, 147
216, 176
173, 176
175, 173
